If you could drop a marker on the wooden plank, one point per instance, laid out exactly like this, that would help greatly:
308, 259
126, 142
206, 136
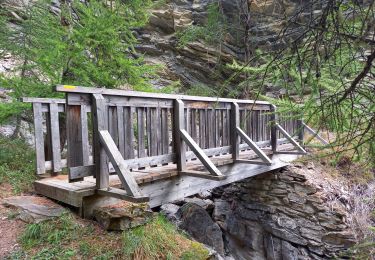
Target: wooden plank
100, 157
199, 153
164, 132
117, 92
290, 139
180, 147
141, 132
254, 147
148, 130
74, 137
203, 175
55, 137
273, 118
183, 186
85, 136
43, 100
152, 131
211, 128
129, 133
202, 128
39, 138
300, 130
127, 180
216, 128
194, 123
235, 123
120, 130
315, 134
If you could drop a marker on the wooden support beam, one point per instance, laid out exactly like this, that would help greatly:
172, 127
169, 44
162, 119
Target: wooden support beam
203, 175
121, 194
235, 123
315, 134
254, 147
291, 140
127, 180
199, 153
100, 157
179, 124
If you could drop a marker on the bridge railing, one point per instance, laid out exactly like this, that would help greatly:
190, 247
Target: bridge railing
121, 131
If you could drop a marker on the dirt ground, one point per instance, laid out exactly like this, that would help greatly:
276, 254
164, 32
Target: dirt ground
10, 229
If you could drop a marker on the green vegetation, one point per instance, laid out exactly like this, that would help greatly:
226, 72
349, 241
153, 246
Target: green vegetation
212, 32
88, 44
326, 79
66, 238
17, 166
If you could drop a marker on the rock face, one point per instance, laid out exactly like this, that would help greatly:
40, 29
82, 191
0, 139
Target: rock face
278, 215
196, 221
200, 63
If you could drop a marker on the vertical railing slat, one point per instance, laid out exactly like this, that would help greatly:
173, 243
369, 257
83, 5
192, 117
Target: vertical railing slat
39, 138
141, 132
55, 137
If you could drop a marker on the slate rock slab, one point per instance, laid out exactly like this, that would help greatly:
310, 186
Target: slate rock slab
197, 222
123, 215
34, 209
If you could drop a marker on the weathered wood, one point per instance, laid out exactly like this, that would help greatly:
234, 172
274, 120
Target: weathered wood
290, 139
120, 129
254, 147
235, 123
273, 118
141, 132
127, 180
199, 153
129, 133
100, 157
121, 194
117, 92
300, 130
164, 132
180, 147
85, 136
39, 138
43, 100
55, 137
315, 134
74, 137
203, 175
153, 132
202, 128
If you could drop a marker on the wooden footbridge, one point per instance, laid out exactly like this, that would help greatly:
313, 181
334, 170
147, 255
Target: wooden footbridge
154, 147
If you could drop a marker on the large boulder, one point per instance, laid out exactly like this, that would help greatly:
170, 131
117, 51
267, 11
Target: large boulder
197, 222
123, 215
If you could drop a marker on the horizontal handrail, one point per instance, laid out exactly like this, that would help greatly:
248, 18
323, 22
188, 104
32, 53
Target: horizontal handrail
130, 93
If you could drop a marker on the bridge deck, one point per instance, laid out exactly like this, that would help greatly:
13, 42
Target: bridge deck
163, 184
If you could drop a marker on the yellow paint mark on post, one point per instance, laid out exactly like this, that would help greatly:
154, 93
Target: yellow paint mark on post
69, 87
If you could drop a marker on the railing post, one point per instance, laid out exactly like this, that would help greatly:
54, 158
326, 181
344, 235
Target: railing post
100, 157
180, 147
301, 130
235, 139
273, 128
74, 136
